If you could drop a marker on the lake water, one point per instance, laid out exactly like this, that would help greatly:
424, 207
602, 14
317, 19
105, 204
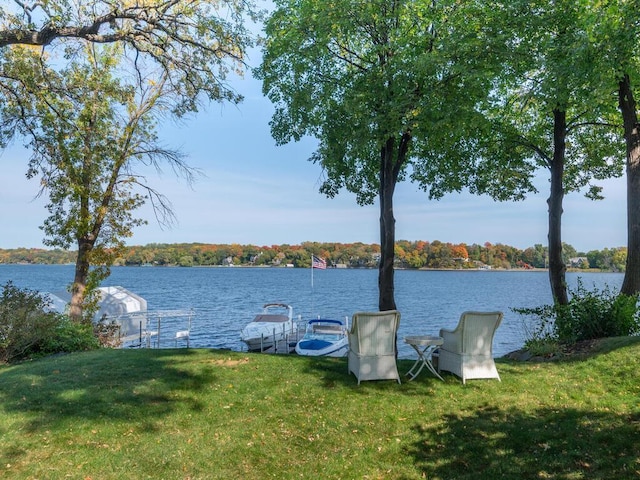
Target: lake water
225, 299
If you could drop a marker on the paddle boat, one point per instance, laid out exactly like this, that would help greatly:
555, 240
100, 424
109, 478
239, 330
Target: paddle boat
324, 337
272, 326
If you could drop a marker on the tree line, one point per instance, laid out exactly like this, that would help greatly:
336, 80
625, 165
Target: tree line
408, 254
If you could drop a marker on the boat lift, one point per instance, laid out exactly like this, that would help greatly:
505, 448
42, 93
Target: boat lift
149, 329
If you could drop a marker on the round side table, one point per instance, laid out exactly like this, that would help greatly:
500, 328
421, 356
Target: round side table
424, 345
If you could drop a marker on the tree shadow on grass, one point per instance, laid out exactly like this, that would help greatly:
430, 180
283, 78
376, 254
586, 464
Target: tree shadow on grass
129, 385
505, 443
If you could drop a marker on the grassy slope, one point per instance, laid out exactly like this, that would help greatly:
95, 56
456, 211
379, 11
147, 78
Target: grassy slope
206, 414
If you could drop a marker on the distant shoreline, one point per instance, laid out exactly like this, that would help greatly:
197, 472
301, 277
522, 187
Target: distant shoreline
434, 255
421, 269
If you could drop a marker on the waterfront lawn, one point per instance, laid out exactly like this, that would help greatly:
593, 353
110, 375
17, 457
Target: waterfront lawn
210, 414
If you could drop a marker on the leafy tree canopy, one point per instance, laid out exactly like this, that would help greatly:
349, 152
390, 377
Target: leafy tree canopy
556, 66
197, 43
357, 74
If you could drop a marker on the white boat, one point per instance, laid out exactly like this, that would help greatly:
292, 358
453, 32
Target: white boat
324, 337
274, 325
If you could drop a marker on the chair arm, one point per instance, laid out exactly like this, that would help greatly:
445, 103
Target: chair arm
451, 340
353, 342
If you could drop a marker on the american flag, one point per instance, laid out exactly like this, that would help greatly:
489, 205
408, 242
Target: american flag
317, 262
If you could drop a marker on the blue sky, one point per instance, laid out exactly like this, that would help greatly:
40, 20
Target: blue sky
254, 192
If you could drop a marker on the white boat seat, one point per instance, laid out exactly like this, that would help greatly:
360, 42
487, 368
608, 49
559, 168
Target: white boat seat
182, 335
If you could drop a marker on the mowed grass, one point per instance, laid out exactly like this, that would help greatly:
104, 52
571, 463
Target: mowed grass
209, 414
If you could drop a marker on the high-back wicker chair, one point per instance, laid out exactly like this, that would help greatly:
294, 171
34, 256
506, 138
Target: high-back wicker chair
373, 346
467, 350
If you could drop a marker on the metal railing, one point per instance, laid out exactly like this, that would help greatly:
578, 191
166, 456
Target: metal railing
149, 329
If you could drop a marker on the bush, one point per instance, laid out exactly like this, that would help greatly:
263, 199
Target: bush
589, 315
596, 314
28, 329
69, 337
540, 337
107, 334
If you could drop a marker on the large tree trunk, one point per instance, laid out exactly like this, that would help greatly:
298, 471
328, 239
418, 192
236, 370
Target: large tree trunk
80, 280
627, 104
557, 267
391, 162
386, 288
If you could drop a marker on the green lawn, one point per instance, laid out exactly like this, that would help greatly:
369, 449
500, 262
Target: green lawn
209, 414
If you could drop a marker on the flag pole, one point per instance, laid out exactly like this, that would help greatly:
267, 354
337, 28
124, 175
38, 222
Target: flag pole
312, 299
316, 262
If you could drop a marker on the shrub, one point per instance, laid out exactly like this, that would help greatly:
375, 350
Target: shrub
540, 337
107, 334
596, 314
589, 315
69, 337
29, 329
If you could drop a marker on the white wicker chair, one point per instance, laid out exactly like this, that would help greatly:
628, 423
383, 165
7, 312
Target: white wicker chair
372, 345
467, 350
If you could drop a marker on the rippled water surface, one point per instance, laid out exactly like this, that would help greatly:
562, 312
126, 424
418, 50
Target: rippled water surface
225, 299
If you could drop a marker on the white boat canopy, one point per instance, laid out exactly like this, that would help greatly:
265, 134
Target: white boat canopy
113, 301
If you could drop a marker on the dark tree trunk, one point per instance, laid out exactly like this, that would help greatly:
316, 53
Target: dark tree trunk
627, 104
386, 287
557, 267
391, 162
80, 280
